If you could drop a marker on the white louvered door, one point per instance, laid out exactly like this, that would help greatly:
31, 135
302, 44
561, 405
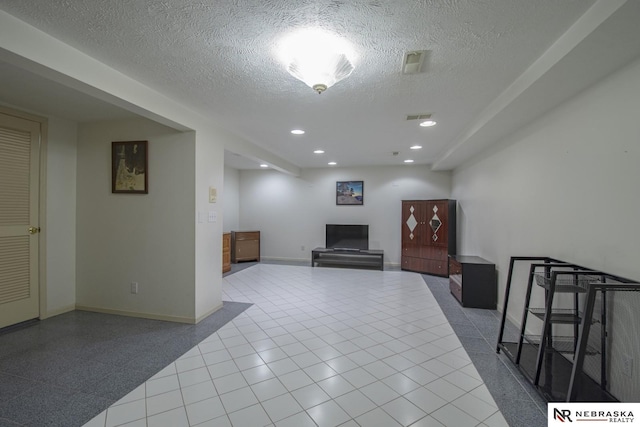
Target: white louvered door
19, 185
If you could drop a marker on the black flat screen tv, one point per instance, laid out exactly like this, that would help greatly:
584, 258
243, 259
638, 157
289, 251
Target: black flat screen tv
347, 237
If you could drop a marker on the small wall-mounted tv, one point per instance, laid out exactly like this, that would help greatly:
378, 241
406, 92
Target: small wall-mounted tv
349, 237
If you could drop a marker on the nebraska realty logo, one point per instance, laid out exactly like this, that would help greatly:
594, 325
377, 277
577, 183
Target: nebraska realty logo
595, 413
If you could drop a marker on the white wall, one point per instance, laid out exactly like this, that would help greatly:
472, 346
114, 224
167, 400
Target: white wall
60, 227
565, 187
209, 173
291, 212
231, 199
148, 239
37, 52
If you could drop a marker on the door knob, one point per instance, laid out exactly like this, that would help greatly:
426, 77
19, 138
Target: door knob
34, 230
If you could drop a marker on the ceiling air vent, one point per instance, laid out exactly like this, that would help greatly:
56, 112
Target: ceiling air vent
418, 116
412, 63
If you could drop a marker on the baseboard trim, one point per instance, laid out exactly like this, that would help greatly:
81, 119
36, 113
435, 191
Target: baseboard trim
58, 311
152, 316
209, 313
295, 261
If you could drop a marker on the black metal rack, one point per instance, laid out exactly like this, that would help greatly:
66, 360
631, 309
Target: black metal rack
554, 363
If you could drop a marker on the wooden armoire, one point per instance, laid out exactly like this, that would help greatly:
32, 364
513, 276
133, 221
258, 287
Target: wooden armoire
428, 235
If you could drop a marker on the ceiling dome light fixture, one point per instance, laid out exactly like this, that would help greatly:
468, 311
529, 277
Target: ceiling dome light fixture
415, 147
318, 58
297, 132
332, 163
318, 152
428, 123
264, 165
408, 161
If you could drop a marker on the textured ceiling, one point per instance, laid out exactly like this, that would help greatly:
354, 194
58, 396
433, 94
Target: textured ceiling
219, 56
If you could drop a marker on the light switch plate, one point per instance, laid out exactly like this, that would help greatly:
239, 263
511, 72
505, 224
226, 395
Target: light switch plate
213, 194
213, 216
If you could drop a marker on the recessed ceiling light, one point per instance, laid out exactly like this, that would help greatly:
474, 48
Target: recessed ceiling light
416, 147
332, 163
408, 161
318, 152
297, 132
264, 165
428, 123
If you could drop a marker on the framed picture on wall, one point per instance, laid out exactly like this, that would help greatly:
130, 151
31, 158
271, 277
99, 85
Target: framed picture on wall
350, 193
129, 167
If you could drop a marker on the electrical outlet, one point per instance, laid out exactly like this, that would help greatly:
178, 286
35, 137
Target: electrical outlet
627, 366
134, 287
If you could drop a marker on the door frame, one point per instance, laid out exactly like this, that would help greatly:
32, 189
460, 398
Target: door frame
42, 204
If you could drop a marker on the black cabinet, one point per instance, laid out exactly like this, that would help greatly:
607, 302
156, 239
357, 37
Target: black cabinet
472, 281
